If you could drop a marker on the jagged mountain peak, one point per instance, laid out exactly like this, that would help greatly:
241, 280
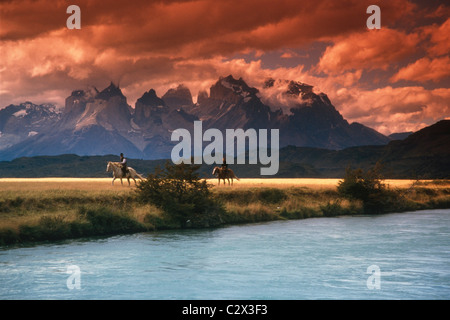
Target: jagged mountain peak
150, 98
111, 91
289, 87
90, 118
238, 86
29, 109
202, 96
232, 90
148, 109
299, 88
19, 122
177, 97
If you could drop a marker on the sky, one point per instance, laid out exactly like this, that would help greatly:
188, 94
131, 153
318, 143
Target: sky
392, 79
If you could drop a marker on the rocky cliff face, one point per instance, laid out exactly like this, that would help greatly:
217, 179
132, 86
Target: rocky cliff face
178, 97
303, 117
101, 122
19, 122
310, 120
233, 104
149, 110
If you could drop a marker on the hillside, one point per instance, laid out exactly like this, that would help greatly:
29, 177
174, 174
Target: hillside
423, 155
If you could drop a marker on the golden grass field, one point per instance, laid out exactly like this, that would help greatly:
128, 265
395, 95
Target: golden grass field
44, 190
45, 201
14, 186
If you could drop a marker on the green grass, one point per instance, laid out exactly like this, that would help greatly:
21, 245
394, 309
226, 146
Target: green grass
33, 215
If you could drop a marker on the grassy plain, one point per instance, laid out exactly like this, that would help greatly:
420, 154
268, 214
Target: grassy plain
58, 208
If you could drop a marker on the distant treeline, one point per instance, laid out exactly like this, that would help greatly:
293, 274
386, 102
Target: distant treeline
295, 162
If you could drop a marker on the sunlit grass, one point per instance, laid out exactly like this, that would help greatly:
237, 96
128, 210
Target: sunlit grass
313, 183
59, 201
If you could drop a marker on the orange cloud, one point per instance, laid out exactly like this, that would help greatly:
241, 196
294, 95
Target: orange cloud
439, 38
390, 110
425, 69
160, 44
372, 49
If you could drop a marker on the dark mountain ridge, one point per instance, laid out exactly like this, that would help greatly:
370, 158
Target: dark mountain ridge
423, 155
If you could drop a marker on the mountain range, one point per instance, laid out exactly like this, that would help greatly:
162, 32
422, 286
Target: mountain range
95, 122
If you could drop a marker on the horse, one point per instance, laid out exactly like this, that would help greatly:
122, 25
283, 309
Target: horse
224, 174
116, 169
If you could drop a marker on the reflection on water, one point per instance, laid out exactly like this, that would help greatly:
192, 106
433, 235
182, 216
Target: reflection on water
323, 258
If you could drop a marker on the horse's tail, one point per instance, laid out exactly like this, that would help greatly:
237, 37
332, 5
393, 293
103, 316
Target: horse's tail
140, 176
234, 175
134, 172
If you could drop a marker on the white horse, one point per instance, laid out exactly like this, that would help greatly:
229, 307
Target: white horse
116, 169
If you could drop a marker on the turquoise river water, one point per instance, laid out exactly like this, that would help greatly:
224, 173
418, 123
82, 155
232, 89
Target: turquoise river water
392, 256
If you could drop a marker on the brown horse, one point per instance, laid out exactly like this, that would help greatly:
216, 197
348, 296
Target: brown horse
224, 174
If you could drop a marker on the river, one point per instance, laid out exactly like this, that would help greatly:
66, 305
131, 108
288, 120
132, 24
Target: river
392, 256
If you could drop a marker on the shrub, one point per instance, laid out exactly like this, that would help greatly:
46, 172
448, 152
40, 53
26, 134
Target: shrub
300, 213
369, 188
104, 221
272, 195
332, 209
54, 227
178, 190
8, 236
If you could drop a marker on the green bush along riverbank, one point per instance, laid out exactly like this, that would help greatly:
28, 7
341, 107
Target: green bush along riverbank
35, 217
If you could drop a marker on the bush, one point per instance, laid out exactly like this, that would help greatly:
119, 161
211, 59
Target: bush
54, 228
104, 221
8, 236
272, 196
181, 194
332, 209
301, 213
369, 188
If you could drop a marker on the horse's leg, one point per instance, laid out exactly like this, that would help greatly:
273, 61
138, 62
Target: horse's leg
113, 180
121, 182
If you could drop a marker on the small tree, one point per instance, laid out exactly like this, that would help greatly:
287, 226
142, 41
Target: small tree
180, 193
366, 186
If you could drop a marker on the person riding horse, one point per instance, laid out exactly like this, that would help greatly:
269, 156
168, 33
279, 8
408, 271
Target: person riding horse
123, 162
224, 173
224, 165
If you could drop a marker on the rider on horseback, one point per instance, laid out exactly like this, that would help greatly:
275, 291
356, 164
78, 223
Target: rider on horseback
224, 165
123, 162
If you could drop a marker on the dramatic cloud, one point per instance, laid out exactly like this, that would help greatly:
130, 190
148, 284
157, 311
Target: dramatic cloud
160, 44
439, 42
425, 69
408, 108
369, 50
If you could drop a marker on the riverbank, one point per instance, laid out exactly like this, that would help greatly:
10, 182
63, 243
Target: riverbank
33, 210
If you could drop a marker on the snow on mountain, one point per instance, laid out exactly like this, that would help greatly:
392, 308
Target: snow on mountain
97, 122
18, 122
